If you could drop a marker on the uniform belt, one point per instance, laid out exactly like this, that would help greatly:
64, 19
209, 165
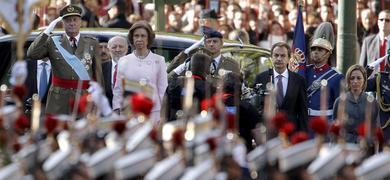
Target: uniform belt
68, 83
313, 112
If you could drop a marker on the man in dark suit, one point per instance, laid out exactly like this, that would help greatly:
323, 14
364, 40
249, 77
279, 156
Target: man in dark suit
374, 46
38, 81
116, 10
117, 48
290, 87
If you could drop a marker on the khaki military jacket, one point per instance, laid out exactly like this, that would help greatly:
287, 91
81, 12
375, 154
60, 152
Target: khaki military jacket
87, 52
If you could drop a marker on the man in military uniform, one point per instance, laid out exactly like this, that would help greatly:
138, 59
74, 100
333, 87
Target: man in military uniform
321, 50
381, 85
75, 59
213, 43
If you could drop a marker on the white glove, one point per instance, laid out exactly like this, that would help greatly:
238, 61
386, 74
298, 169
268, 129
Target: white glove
18, 73
99, 98
195, 45
52, 25
376, 63
179, 69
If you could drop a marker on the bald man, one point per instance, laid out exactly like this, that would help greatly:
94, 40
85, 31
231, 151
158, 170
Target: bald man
117, 48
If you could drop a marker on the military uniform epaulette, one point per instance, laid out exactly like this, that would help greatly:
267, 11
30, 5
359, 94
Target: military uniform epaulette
91, 37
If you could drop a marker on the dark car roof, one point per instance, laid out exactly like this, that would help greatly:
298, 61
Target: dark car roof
171, 40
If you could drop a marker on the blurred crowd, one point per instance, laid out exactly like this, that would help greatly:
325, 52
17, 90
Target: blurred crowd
259, 22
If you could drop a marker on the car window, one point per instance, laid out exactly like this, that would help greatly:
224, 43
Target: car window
252, 62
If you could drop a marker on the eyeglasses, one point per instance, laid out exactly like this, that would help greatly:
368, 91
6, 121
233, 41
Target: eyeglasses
384, 19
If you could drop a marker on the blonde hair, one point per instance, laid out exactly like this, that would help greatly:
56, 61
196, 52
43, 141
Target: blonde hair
358, 68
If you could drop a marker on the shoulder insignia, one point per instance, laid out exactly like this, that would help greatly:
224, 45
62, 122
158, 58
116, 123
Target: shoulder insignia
91, 37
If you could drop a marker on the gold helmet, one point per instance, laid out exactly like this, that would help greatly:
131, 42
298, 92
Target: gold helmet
322, 43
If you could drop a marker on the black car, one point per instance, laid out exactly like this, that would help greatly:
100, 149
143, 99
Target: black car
251, 58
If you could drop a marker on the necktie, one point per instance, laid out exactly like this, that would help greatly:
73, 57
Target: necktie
382, 52
43, 81
73, 43
279, 92
213, 67
115, 71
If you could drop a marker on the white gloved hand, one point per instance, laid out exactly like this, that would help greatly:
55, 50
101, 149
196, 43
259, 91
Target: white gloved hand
52, 25
18, 73
376, 63
195, 45
179, 69
99, 98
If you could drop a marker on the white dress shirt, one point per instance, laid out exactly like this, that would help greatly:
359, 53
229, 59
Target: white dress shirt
77, 39
39, 70
112, 72
284, 80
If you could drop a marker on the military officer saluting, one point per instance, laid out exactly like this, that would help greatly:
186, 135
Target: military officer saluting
74, 58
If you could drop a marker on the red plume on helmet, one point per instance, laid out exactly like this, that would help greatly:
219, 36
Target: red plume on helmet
319, 125
212, 143
22, 123
119, 127
19, 91
230, 121
379, 135
141, 104
299, 137
335, 128
287, 128
279, 119
50, 123
83, 103
178, 137
362, 130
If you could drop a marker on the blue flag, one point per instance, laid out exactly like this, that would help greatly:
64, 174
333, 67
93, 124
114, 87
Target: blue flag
298, 47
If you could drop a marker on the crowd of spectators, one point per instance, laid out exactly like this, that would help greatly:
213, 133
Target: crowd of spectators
259, 22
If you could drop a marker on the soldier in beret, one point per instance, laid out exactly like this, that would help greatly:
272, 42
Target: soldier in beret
75, 59
213, 44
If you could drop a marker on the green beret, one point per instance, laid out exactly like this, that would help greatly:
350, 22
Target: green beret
71, 10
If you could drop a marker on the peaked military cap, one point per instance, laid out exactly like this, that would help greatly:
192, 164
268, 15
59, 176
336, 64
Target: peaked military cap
71, 10
213, 34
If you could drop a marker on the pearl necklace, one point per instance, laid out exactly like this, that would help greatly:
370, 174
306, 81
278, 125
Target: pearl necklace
141, 57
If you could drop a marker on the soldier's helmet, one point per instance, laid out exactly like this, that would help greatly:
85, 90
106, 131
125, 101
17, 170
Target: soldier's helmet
322, 43
71, 10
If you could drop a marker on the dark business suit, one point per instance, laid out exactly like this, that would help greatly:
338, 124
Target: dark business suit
31, 83
370, 50
107, 72
295, 100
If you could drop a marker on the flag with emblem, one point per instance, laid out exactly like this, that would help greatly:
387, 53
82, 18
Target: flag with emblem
298, 47
13, 12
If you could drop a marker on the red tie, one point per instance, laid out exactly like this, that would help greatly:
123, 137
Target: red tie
381, 54
115, 70
73, 40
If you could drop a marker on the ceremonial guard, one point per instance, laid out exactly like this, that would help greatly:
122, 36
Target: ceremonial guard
74, 58
321, 50
381, 85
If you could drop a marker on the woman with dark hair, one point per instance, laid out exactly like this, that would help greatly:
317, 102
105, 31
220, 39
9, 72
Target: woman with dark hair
142, 65
355, 103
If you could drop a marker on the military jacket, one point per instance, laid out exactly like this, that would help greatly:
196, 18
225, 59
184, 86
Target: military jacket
87, 52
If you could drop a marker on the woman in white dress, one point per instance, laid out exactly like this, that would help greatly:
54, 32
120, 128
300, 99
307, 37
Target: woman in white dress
142, 65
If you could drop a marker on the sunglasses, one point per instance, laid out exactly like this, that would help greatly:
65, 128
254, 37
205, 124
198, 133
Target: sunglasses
383, 19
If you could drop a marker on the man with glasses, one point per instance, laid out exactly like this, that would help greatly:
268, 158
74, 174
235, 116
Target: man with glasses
375, 46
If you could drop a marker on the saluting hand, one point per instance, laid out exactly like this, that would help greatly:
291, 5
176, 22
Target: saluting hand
52, 25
